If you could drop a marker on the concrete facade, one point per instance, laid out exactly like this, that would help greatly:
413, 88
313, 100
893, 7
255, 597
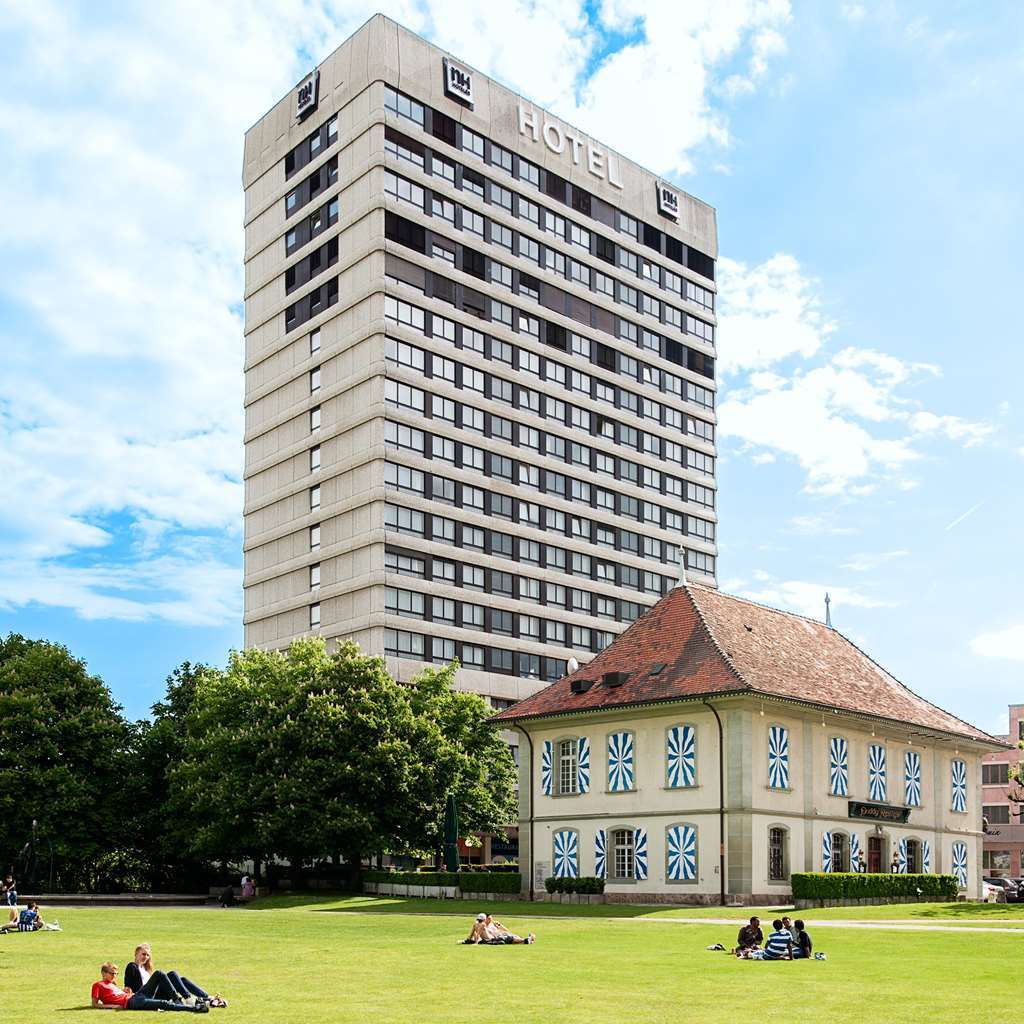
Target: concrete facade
566, 244
804, 810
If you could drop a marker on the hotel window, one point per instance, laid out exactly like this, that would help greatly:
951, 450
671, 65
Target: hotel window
404, 565
501, 158
314, 380
996, 814
400, 644
314, 496
403, 106
443, 650
402, 189
314, 615
314, 341
529, 172
314, 418
397, 435
314, 576
622, 853
472, 656
442, 252
472, 143
314, 458
443, 570
777, 858
314, 537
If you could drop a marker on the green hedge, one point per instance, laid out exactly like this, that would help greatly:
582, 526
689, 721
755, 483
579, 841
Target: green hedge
465, 881
585, 886
481, 881
848, 885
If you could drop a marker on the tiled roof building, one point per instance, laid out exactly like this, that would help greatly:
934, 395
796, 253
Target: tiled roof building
828, 761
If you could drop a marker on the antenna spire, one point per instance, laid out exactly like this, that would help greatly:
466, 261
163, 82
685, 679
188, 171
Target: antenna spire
828, 612
681, 581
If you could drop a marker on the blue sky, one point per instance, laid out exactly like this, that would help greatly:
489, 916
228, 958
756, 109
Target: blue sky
865, 161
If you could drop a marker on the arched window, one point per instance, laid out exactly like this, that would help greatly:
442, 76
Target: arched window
840, 851
778, 854
622, 854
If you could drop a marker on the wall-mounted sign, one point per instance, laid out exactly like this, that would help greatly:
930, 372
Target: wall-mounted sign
560, 139
458, 82
878, 812
668, 201
307, 94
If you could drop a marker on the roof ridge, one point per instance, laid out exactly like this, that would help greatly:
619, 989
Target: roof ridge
759, 604
714, 639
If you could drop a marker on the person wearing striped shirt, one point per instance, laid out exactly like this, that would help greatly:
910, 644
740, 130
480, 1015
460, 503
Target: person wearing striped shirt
780, 943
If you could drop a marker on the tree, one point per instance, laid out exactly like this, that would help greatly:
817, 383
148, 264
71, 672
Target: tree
64, 761
306, 754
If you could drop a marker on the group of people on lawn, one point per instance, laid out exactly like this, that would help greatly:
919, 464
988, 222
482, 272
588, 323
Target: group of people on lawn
788, 940
146, 988
489, 932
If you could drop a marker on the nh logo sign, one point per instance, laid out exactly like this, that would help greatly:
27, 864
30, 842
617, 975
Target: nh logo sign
668, 201
306, 95
458, 82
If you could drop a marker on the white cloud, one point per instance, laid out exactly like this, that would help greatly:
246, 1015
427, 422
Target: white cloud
1005, 643
819, 525
867, 561
806, 598
852, 11
848, 419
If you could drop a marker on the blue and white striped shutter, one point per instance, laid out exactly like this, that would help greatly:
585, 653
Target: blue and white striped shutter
778, 757
876, 772
838, 766
567, 854
640, 853
681, 756
826, 851
620, 762
600, 854
926, 857
912, 778
681, 843
903, 857
960, 864
854, 852
583, 765
958, 772
545, 769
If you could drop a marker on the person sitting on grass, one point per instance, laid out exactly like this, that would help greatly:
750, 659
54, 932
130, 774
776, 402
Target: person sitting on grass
156, 994
780, 943
487, 931
141, 969
26, 921
750, 936
802, 945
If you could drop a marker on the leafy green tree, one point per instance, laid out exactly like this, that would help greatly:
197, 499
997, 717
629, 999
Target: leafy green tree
64, 760
306, 754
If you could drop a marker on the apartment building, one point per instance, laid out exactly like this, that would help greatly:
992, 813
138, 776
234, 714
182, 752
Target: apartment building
479, 373
1003, 816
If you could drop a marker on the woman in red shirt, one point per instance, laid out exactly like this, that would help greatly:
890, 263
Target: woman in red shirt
105, 994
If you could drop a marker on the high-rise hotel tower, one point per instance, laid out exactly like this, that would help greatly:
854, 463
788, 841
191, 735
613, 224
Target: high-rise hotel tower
479, 373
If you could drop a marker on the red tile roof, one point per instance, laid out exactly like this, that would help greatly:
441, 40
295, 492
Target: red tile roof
708, 643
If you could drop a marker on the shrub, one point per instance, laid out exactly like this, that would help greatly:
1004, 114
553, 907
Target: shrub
584, 886
482, 881
848, 885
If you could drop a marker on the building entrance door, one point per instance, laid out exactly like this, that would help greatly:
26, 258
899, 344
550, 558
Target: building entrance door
875, 854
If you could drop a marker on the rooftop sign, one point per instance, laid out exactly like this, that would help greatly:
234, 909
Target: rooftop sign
668, 201
560, 139
307, 94
458, 82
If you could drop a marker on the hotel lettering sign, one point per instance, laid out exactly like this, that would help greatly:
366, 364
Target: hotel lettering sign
668, 201
878, 812
562, 140
458, 82
307, 94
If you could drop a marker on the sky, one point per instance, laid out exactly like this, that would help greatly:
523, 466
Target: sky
865, 161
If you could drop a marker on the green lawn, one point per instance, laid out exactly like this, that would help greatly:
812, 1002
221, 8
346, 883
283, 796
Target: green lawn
974, 914
310, 964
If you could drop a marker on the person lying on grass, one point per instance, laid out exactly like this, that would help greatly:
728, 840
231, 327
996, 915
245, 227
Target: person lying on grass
28, 920
156, 994
489, 932
141, 969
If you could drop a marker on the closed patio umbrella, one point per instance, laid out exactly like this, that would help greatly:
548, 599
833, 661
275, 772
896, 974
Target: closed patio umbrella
451, 834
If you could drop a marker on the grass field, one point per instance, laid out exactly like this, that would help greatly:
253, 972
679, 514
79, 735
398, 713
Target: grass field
343, 960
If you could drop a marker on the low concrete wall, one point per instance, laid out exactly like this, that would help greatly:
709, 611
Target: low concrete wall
873, 901
437, 892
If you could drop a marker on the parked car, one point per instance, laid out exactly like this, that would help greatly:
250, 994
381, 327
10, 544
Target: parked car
1008, 888
1019, 882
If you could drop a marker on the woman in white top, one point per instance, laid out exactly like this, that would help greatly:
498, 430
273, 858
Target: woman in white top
137, 973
